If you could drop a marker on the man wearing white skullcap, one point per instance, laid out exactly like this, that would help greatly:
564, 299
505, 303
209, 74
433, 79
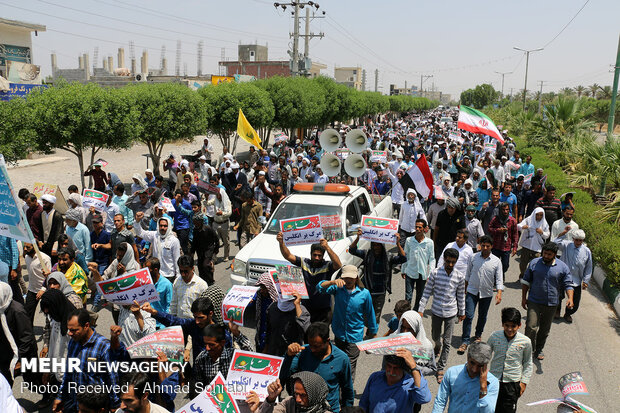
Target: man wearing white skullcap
578, 257
51, 222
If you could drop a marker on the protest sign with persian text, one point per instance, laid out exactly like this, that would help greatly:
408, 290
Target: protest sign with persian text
252, 372
377, 229
41, 189
216, 398
93, 198
236, 301
127, 288
303, 230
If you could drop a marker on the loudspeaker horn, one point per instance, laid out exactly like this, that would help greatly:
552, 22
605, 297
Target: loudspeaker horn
330, 140
356, 141
330, 164
355, 165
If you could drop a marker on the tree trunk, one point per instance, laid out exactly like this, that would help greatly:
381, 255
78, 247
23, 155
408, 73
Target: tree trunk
235, 141
93, 152
79, 154
155, 156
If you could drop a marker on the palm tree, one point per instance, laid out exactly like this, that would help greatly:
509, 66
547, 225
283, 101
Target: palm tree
580, 90
567, 91
560, 124
593, 89
604, 92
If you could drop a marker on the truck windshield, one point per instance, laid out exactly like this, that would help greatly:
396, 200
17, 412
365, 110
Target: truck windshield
330, 218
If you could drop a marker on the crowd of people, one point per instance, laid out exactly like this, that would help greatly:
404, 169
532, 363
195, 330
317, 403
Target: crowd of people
453, 251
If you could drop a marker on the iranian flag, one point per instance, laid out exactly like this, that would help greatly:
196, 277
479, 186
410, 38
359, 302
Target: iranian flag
419, 176
474, 121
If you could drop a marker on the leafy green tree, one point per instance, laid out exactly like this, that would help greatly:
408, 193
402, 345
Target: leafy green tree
222, 104
298, 102
167, 113
480, 96
16, 135
80, 118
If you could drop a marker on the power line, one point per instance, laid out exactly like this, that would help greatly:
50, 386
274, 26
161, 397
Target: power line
133, 23
181, 19
567, 24
91, 24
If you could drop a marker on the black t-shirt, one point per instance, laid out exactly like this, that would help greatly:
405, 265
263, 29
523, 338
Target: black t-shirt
313, 276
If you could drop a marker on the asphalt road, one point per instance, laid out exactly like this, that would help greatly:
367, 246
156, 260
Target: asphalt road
590, 345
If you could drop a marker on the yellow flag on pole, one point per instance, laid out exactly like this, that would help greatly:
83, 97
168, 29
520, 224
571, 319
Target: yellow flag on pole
246, 131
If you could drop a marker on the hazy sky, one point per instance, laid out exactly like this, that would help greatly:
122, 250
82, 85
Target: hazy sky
460, 43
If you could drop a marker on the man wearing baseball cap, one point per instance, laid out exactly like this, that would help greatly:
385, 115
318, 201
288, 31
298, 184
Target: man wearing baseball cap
352, 305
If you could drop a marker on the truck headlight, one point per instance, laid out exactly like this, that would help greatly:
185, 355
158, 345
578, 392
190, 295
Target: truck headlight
239, 267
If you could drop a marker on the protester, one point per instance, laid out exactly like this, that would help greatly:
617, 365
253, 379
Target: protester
503, 230
186, 288
420, 253
315, 270
512, 361
164, 246
37, 270
449, 221
398, 388
578, 257
448, 290
565, 227
287, 321
324, 359
309, 395
16, 335
248, 223
377, 269
353, 308
411, 322
534, 231
469, 387
57, 309
215, 356
86, 345
542, 284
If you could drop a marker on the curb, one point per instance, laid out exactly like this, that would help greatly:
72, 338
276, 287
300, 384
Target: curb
612, 293
24, 163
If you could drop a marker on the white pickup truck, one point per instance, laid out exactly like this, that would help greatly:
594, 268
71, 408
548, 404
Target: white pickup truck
341, 208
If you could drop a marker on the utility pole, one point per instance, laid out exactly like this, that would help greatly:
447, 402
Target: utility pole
295, 55
527, 63
376, 80
295, 35
614, 93
612, 110
503, 74
540, 97
422, 79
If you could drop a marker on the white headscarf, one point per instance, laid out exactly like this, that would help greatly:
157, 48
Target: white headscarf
6, 296
163, 238
415, 322
530, 239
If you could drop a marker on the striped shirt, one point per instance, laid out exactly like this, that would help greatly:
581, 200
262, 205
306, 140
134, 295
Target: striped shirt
448, 293
512, 360
184, 294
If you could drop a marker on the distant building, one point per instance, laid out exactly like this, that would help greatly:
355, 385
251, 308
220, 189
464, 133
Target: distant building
253, 60
16, 42
412, 91
252, 53
350, 76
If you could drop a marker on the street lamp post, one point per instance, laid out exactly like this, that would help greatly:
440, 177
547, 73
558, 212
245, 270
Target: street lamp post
527, 62
503, 74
